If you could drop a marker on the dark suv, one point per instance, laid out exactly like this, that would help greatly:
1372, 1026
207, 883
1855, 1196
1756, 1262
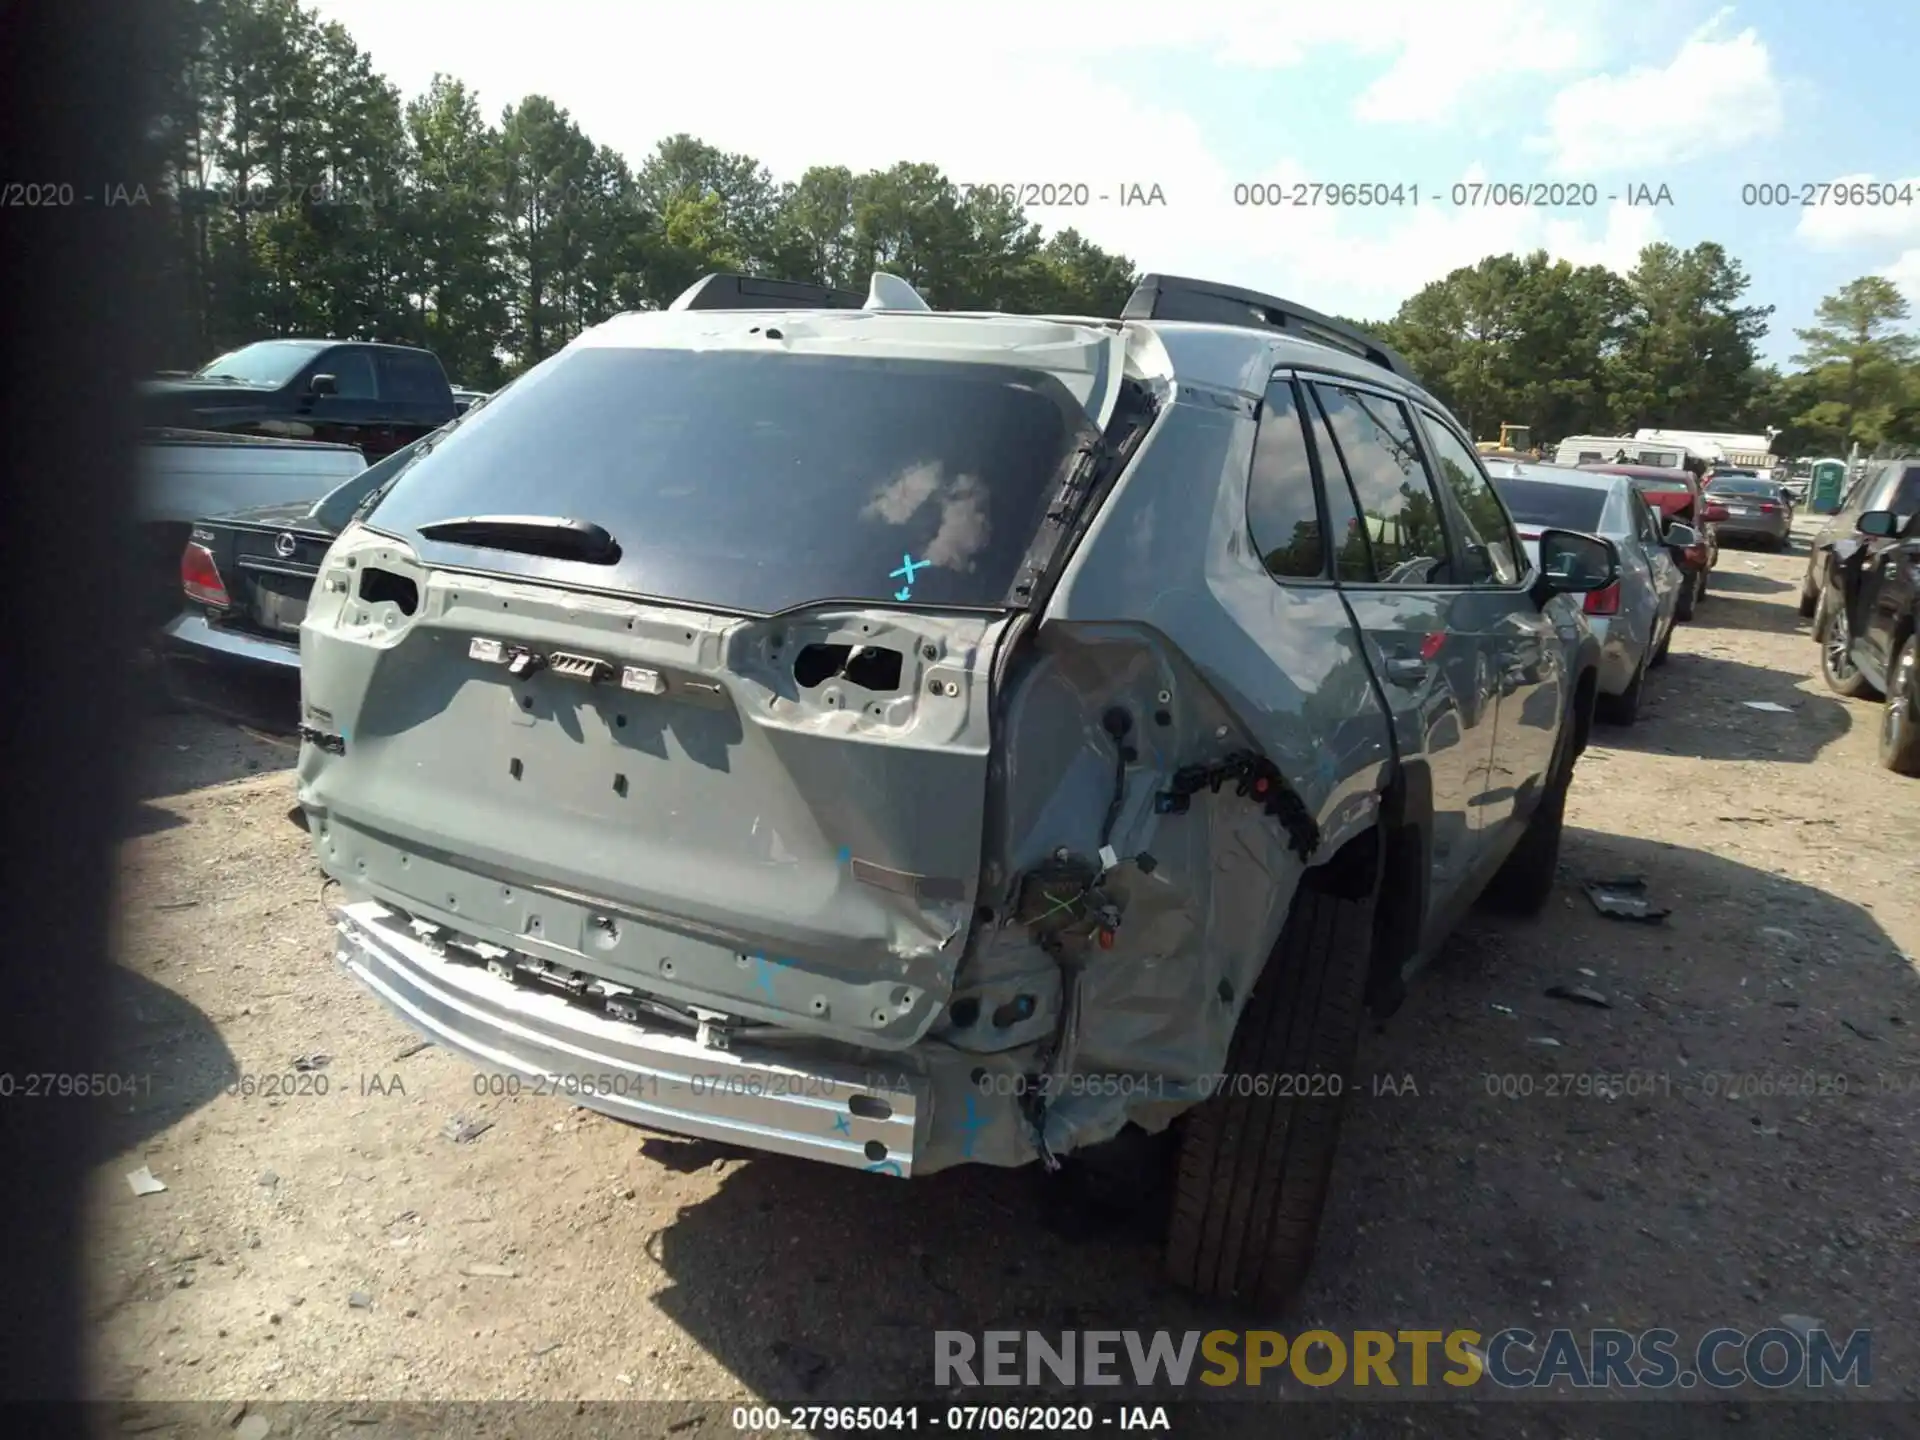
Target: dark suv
1887, 485
905, 739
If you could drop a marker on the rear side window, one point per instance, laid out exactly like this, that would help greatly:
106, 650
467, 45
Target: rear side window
1282, 515
1491, 553
755, 481
1906, 493
1373, 442
1352, 556
407, 376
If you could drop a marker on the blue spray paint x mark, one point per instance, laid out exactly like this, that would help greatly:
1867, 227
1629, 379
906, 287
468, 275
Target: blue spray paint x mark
846, 854
841, 1127
973, 1124
908, 568
886, 1167
762, 976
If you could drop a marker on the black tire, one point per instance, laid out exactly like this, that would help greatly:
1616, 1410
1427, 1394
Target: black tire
1900, 724
1689, 590
1524, 882
1809, 601
1835, 632
1251, 1179
1624, 708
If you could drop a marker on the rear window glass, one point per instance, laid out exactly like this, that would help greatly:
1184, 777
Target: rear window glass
755, 482
1542, 504
1734, 485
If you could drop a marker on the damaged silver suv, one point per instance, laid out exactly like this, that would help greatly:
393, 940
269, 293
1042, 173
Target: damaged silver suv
902, 738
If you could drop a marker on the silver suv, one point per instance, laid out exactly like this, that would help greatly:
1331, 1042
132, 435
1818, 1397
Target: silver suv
901, 738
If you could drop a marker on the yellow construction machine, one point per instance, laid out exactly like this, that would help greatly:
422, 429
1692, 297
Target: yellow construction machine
1515, 441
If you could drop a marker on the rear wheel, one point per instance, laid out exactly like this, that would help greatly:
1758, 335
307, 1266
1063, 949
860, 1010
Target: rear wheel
1690, 585
1900, 724
1809, 599
1624, 708
1843, 677
1666, 641
1251, 1179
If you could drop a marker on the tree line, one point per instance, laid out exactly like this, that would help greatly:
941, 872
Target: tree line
302, 194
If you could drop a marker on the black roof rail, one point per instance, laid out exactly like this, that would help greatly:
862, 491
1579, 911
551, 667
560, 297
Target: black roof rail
752, 292
1178, 297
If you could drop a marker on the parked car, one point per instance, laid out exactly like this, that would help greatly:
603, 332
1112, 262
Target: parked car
246, 577
1888, 485
857, 783
1867, 632
463, 398
373, 397
1634, 618
183, 475
1755, 511
1677, 494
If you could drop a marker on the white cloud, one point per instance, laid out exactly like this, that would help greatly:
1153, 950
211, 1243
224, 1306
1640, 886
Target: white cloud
1717, 94
1837, 226
1024, 90
1905, 274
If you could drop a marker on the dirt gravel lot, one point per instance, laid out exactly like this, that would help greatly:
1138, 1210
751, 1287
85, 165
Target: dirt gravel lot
342, 1246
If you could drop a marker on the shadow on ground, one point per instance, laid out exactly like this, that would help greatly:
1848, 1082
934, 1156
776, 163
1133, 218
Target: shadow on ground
183, 751
1738, 580
820, 1284
163, 1050
1695, 705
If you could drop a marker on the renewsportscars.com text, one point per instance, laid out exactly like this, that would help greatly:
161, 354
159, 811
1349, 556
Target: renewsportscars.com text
1513, 1359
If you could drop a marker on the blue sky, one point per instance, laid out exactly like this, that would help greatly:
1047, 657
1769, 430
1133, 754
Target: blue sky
1699, 98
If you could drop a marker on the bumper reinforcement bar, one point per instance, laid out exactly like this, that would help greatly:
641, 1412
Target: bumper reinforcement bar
755, 1097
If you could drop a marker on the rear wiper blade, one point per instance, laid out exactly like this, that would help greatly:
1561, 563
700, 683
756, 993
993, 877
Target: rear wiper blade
550, 535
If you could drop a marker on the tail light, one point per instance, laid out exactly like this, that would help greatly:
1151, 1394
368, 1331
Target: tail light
200, 577
1716, 512
1767, 507
1604, 602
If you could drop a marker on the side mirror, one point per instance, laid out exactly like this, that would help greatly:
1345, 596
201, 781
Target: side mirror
1572, 563
1881, 524
324, 385
1681, 536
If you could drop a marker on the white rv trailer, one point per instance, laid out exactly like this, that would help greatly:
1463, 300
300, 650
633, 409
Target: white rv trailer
1610, 449
1747, 452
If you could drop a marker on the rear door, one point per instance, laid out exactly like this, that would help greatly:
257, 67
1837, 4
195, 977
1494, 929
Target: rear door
1662, 574
1886, 599
738, 756
1425, 626
415, 392
1522, 645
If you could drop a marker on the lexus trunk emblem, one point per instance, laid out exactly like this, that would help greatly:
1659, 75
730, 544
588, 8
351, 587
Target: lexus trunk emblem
284, 545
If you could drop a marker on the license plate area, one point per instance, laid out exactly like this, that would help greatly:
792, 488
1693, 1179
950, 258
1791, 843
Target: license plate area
280, 601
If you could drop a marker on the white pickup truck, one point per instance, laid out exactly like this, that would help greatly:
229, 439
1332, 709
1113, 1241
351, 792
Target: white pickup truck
187, 474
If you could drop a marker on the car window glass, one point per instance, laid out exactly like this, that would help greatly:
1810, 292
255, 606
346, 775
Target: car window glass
1906, 493
409, 377
1401, 513
1347, 537
753, 481
1650, 523
352, 371
1491, 553
1282, 516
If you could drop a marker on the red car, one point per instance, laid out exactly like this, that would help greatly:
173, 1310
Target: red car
1680, 499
